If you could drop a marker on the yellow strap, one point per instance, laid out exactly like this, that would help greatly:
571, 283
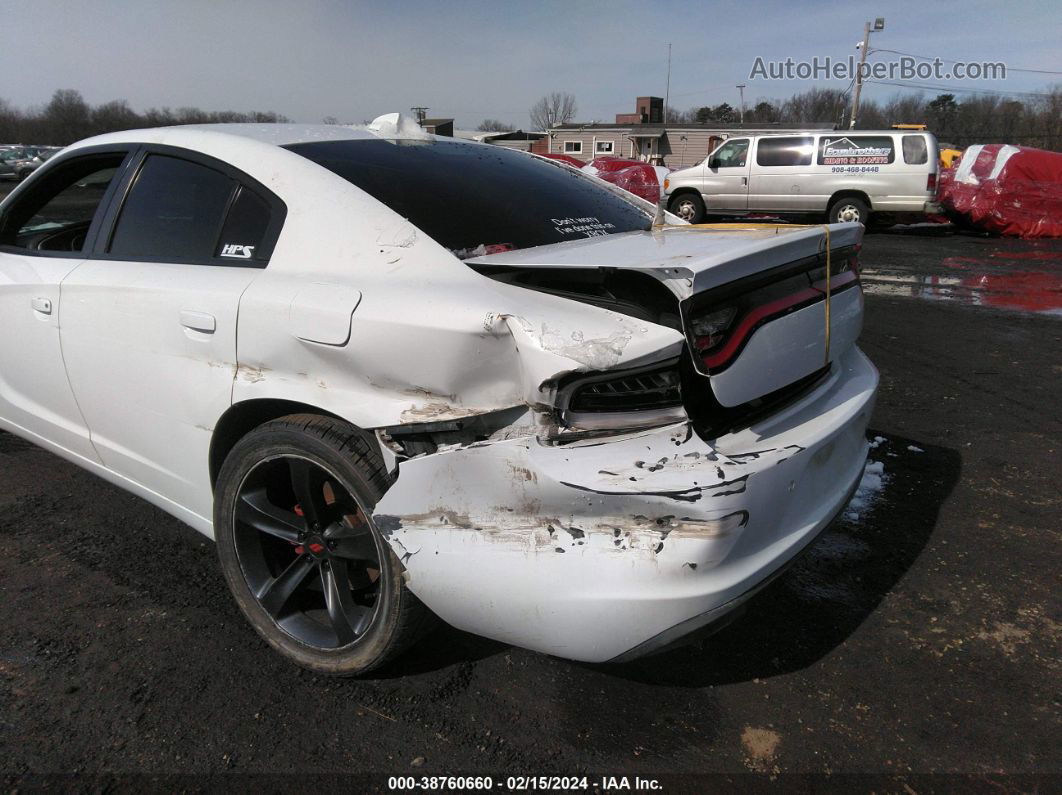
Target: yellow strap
828, 280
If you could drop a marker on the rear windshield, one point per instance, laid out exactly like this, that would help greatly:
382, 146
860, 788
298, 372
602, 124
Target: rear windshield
478, 200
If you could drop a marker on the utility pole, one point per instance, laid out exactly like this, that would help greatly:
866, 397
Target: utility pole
741, 90
879, 25
420, 112
667, 89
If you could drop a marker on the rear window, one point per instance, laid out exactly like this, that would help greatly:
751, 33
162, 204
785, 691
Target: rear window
915, 151
478, 199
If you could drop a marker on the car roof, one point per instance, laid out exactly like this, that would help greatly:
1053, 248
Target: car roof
272, 134
284, 134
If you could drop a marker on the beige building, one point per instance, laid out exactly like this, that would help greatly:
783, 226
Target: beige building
643, 136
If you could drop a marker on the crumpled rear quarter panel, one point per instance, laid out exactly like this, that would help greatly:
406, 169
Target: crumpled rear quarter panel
588, 550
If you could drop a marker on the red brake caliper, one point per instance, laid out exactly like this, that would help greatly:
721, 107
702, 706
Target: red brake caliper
299, 549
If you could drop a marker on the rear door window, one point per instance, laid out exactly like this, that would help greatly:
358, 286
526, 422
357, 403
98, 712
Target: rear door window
856, 150
915, 151
173, 211
474, 199
790, 151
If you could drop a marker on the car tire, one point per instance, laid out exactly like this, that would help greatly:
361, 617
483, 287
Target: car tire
301, 555
848, 208
688, 207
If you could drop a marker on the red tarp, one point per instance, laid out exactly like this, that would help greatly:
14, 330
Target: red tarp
639, 178
571, 161
1009, 190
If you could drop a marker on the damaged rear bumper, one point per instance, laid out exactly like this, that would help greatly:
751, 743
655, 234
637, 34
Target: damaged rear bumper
596, 550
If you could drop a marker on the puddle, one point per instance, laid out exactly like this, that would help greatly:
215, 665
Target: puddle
987, 282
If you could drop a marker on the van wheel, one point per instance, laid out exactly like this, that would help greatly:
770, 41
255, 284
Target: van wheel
848, 208
298, 547
687, 206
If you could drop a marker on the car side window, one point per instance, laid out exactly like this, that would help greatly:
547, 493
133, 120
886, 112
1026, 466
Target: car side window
173, 211
790, 151
915, 151
56, 210
731, 154
245, 228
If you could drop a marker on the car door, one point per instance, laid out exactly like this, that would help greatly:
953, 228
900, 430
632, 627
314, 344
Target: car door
46, 228
782, 177
150, 329
725, 184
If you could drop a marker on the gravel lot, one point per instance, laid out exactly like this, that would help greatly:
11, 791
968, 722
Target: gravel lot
921, 638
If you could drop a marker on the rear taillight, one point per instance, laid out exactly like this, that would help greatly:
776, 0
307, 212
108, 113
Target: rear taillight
718, 332
931, 182
639, 398
638, 392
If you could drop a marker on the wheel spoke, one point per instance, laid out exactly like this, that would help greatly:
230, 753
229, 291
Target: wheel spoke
349, 620
276, 593
353, 542
308, 484
255, 509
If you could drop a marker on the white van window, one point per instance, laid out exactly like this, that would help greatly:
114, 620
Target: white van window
731, 154
856, 150
915, 151
793, 151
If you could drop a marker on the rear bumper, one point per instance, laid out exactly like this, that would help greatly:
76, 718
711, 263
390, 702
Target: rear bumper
596, 550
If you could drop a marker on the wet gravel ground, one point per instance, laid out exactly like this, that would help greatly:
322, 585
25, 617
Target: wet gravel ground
919, 641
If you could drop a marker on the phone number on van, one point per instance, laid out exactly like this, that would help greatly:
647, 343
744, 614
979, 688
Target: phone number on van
854, 169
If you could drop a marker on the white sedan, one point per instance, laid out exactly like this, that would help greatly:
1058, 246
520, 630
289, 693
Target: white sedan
395, 375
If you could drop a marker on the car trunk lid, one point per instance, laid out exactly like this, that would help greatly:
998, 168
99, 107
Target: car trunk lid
753, 300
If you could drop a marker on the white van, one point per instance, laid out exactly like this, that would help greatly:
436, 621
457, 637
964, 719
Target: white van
849, 176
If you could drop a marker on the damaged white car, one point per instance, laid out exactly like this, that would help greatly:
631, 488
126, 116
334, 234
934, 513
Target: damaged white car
395, 375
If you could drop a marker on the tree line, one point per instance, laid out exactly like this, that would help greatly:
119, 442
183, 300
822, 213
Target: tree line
977, 119
68, 117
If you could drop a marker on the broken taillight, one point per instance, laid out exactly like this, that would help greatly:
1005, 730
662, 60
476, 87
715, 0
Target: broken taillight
644, 397
639, 392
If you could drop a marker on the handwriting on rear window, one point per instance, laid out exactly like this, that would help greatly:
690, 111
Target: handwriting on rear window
589, 226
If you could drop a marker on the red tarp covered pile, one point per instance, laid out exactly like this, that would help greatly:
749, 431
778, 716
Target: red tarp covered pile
639, 178
1009, 190
571, 161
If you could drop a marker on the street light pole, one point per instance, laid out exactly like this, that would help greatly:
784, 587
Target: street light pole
667, 89
879, 25
741, 90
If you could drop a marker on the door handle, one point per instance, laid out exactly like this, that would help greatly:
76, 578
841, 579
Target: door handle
744, 180
42, 305
199, 321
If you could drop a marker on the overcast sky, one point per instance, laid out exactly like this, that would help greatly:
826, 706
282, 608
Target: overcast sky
470, 60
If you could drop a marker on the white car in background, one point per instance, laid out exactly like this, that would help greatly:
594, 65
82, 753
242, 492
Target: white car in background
393, 374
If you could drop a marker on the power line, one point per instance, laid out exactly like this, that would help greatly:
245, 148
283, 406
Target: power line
950, 89
952, 60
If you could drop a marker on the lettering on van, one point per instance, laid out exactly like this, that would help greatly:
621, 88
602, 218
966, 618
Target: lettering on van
865, 150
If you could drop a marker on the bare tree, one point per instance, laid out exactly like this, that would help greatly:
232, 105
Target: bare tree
493, 125
555, 108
